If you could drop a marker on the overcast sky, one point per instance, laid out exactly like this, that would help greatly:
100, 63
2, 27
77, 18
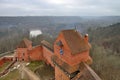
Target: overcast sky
59, 7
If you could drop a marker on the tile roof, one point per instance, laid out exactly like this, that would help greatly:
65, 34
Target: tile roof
86, 74
48, 45
25, 43
75, 41
63, 65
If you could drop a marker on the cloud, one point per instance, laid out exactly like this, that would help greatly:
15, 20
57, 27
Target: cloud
59, 7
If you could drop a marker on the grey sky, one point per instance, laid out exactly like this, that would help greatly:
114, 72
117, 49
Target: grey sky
59, 7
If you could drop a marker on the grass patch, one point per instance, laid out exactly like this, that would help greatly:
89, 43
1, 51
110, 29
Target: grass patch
45, 72
13, 75
4, 66
34, 65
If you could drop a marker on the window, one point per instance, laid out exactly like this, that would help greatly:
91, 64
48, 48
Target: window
59, 43
61, 51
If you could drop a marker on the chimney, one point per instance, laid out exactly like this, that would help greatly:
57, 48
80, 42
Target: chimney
86, 38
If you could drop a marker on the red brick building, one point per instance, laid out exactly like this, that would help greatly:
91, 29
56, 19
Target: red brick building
68, 55
70, 49
74, 46
22, 50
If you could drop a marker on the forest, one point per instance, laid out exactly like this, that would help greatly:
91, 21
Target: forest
105, 51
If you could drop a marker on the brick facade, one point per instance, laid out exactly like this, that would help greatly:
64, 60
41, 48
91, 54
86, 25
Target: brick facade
47, 54
5, 59
69, 50
36, 53
60, 74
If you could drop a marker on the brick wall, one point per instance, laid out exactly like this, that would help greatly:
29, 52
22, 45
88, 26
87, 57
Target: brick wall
47, 54
60, 75
22, 54
5, 59
36, 53
1, 62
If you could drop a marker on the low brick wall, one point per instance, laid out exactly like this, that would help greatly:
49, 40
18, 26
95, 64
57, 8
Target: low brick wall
5, 59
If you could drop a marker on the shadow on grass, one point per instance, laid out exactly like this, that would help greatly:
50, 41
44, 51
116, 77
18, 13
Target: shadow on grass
45, 72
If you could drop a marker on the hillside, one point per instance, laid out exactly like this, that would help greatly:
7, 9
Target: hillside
56, 23
14, 29
105, 51
108, 37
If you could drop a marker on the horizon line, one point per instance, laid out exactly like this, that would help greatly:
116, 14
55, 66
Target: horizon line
63, 16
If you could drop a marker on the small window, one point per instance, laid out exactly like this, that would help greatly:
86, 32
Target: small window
61, 51
59, 43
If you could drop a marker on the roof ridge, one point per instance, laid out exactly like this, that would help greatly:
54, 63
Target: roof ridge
24, 43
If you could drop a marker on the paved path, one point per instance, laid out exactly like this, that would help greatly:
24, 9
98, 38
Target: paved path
25, 71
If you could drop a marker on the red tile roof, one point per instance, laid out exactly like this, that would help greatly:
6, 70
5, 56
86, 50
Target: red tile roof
47, 44
25, 43
75, 41
63, 65
86, 74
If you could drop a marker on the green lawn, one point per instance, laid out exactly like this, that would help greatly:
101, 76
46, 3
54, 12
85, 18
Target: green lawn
13, 75
35, 64
4, 66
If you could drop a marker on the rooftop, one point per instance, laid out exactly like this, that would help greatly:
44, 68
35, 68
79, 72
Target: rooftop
75, 41
25, 43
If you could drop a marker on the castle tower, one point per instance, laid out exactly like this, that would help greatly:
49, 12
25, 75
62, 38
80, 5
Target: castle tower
70, 49
22, 50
